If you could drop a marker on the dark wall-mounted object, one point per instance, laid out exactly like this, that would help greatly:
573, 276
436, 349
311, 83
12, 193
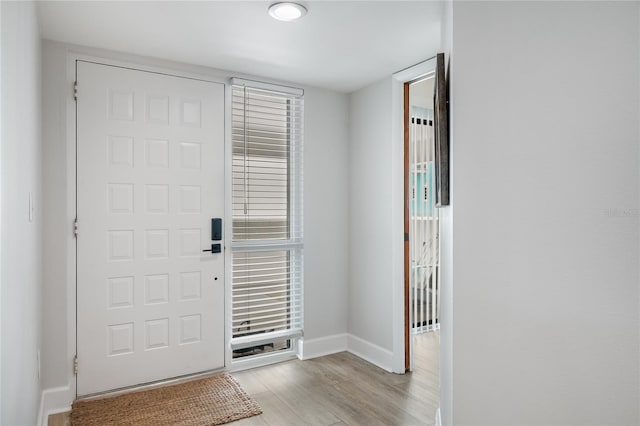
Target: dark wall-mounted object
216, 229
441, 130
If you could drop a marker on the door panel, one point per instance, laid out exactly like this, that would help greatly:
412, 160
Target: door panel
150, 165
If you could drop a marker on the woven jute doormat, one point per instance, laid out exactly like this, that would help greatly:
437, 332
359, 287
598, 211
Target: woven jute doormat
210, 401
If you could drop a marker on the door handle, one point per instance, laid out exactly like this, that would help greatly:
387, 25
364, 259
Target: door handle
215, 248
216, 229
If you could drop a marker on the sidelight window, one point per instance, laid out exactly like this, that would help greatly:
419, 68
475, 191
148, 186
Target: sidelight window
267, 241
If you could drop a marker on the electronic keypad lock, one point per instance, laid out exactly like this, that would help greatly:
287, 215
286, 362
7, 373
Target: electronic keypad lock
216, 229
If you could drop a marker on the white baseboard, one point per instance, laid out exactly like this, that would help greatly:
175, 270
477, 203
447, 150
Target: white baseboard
52, 401
313, 348
368, 351
438, 417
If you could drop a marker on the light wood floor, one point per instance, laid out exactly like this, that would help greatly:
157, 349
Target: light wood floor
340, 389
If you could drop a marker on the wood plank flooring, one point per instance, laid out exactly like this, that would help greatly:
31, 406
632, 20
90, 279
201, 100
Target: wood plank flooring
340, 389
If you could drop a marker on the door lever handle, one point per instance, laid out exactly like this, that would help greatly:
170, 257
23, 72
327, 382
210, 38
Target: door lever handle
215, 248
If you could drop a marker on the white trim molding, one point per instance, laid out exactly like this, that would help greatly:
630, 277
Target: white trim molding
262, 360
371, 352
321, 346
53, 401
416, 71
327, 345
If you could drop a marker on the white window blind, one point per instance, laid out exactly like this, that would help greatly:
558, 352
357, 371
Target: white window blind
267, 240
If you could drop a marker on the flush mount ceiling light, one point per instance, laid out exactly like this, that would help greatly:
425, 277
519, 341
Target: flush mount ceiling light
287, 11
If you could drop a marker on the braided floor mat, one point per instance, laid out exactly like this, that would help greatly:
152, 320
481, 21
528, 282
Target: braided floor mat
210, 401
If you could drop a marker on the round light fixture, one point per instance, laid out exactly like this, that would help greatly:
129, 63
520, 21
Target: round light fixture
287, 11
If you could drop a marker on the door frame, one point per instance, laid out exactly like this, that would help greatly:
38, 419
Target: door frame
71, 138
408, 354
403, 343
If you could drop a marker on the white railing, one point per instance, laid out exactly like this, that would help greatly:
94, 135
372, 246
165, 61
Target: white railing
424, 226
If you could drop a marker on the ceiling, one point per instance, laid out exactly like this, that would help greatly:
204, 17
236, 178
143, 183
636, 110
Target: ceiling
339, 45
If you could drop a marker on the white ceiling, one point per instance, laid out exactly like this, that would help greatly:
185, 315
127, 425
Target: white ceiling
340, 45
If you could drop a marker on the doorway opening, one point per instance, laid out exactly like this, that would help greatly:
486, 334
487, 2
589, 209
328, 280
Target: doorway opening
424, 229
422, 234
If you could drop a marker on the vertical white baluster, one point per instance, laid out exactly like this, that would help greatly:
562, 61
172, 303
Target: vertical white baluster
412, 225
423, 228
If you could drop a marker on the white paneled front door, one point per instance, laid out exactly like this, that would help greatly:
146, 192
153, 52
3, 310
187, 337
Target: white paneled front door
150, 177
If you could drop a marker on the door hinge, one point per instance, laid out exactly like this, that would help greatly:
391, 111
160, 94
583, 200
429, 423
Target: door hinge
75, 365
75, 228
406, 236
75, 90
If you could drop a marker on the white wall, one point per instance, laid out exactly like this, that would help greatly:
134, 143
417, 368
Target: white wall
325, 210
1, 206
370, 215
58, 222
326, 204
21, 238
446, 244
545, 225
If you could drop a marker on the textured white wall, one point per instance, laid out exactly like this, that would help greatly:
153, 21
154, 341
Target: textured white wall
21, 238
545, 225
